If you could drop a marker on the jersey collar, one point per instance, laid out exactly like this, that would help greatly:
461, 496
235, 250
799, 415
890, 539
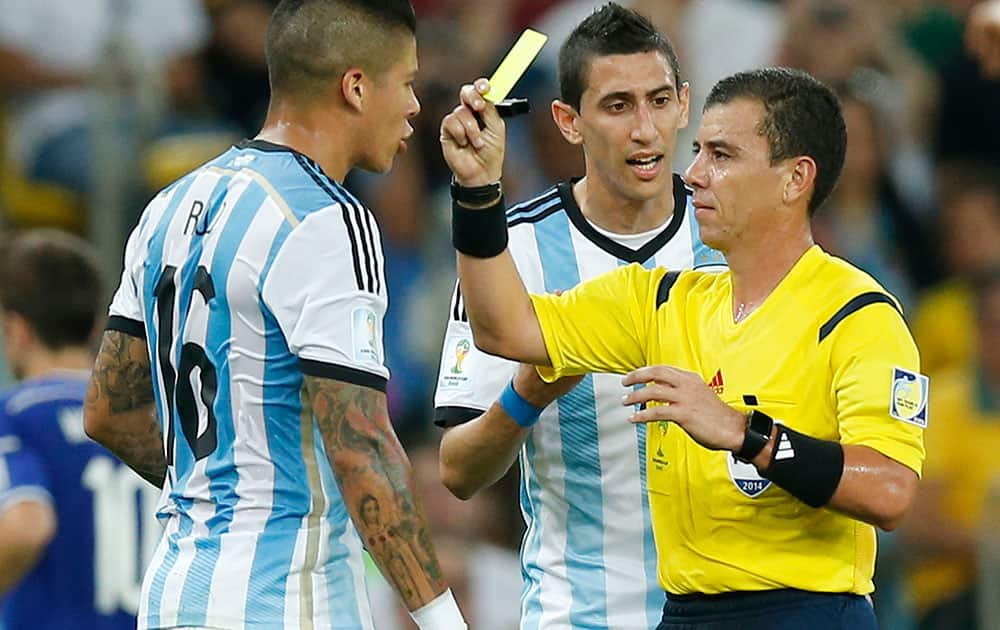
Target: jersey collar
614, 248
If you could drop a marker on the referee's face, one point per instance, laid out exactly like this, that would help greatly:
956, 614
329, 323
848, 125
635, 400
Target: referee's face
629, 115
736, 188
392, 105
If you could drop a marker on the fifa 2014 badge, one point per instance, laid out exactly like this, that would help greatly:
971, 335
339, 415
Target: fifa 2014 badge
364, 335
908, 399
453, 362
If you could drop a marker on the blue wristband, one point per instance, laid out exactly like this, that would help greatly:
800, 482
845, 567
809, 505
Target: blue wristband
522, 411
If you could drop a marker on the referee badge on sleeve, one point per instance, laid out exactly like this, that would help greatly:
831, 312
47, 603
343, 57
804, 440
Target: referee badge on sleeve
908, 399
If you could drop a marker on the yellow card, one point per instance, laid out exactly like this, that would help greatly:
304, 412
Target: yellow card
514, 64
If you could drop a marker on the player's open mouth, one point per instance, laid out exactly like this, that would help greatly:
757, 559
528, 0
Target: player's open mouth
645, 163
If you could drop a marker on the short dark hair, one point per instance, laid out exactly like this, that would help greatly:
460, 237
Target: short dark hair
312, 42
51, 279
802, 117
610, 30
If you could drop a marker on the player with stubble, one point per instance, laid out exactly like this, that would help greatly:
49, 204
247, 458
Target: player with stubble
787, 389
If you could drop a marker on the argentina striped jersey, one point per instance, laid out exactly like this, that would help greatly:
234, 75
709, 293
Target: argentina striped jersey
244, 275
588, 558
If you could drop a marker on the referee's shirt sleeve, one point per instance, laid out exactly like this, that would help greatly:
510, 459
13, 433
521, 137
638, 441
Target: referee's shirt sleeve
125, 313
325, 291
872, 357
601, 325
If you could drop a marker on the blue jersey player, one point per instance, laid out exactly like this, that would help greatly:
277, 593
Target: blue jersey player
72, 532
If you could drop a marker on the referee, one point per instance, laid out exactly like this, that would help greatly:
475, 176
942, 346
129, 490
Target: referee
786, 394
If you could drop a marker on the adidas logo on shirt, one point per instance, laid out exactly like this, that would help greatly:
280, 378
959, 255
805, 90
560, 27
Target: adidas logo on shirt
717, 384
785, 450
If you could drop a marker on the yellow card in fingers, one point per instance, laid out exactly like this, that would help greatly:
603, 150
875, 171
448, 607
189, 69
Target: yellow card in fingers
514, 64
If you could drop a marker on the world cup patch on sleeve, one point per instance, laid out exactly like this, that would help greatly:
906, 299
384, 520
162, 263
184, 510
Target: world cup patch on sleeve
365, 335
453, 362
908, 398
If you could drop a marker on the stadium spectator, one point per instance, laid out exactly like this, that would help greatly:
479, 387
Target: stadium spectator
943, 531
968, 225
65, 62
75, 524
759, 524
273, 439
622, 99
865, 220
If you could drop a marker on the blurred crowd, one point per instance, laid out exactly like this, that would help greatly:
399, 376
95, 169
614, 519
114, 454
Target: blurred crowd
102, 102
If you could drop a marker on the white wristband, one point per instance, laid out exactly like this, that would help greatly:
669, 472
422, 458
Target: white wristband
441, 613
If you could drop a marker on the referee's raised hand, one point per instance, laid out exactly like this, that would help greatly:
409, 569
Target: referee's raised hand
473, 137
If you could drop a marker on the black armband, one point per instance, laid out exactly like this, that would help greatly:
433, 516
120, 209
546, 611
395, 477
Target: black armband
480, 233
806, 467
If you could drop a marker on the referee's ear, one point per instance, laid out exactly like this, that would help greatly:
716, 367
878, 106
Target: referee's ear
565, 117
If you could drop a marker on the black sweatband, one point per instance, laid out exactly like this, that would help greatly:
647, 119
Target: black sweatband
480, 233
806, 467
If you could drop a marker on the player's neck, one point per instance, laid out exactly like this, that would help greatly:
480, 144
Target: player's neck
41, 363
622, 216
309, 133
759, 265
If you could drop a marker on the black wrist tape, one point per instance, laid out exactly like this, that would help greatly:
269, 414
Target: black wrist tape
479, 233
806, 467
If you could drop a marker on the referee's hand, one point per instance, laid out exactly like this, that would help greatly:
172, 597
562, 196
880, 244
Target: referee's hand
682, 397
473, 137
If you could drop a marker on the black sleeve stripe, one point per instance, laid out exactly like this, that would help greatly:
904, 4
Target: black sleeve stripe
342, 373
354, 247
535, 218
375, 250
363, 239
446, 417
856, 304
347, 217
458, 313
666, 283
128, 326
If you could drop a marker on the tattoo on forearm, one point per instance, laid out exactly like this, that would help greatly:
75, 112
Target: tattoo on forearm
121, 389
125, 380
375, 481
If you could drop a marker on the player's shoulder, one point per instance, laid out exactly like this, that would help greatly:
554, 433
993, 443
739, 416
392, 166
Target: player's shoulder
535, 209
844, 299
39, 396
835, 283
291, 180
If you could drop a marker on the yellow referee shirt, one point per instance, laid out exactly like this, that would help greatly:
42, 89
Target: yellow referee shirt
827, 353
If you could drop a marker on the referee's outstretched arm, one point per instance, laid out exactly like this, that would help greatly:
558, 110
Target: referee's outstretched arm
472, 139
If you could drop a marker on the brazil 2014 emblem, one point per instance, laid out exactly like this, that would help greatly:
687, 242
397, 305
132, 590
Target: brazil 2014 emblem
364, 332
454, 363
908, 401
746, 478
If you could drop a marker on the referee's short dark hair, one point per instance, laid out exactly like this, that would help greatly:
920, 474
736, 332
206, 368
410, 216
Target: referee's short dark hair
51, 279
802, 117
313, 42
610, 30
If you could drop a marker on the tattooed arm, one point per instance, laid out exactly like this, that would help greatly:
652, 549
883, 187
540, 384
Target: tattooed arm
377, 486
119, 411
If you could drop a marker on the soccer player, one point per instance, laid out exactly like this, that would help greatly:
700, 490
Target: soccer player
249, 315
785, 394
71, 534
622, 100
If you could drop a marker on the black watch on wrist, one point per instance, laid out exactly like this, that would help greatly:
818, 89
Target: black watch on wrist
756, 437
475, 195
